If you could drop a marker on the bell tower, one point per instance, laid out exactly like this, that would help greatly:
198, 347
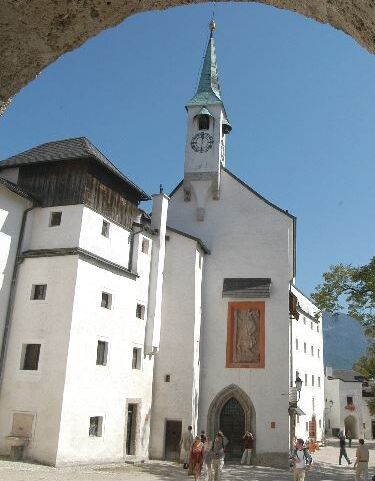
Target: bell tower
207, 127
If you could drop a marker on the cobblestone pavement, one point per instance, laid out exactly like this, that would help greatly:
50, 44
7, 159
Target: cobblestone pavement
325, 468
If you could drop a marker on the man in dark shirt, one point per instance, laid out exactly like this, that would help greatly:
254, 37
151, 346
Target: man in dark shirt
342, 448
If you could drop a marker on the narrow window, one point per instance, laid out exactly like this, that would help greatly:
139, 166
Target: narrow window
203, 122
305, 379
317, 328
140, 311
313, 404
105, 228
55, 219
145, 245
319, 353
96, 426
106, 300
304, 347
167, 378
349, 400
307, 426
30, 357
318, 381
320, 423
297, 419
102, 353
312, 326
296, 344
312, 380
304, 319
312, 350
38, 292
136, 361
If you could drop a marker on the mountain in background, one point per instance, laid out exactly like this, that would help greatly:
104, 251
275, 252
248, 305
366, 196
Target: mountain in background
344, 341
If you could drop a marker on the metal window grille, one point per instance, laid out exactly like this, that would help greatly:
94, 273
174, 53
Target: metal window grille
101, 353
39, 292
140, 311
55, 219
136, 360
95, 428
31, 357
203, 122
106, 300
105, 228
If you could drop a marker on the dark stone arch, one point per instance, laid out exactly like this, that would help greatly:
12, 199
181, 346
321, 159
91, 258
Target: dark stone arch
219, 401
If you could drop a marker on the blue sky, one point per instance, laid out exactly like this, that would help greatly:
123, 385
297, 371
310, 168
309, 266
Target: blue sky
299, 95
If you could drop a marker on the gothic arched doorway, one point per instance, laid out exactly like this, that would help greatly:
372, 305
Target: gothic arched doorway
232, 423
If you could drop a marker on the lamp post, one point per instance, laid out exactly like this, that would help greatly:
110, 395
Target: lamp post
294, 397
326, 409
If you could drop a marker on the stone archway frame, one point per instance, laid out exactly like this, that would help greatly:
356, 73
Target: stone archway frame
352, 423
219, 401
35, 34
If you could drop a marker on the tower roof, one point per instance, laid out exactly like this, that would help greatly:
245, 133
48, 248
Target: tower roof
208, 91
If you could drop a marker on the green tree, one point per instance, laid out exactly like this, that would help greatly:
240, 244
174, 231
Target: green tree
349, 288
366, 366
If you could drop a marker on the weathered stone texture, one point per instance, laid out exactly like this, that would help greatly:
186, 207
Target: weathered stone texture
35, 33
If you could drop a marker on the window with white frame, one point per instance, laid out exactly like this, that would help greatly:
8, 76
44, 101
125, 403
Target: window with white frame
96, 426
320, 423
307, 426
317, 328
312, 350
305, 379
101, 353
296, 344
55, 219
30, 355
304, 347
318, 381
304, 319
105, 228
312, 325
312, 380
106, 300
313, 404
38, 292
137, 359
319, 353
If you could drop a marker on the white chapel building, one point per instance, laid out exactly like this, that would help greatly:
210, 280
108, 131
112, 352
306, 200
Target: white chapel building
119, 328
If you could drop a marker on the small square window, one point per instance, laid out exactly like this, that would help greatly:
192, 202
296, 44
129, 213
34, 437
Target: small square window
105, 228
349, 400
30, 357
145, 245
106, 300
96, 426
136, 360
101, 353
167, 378
55, 219
38, 292
140, 311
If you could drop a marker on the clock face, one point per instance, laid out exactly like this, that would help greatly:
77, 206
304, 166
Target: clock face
201, 142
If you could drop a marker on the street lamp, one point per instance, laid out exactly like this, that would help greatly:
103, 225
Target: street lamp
298, 383
293, 406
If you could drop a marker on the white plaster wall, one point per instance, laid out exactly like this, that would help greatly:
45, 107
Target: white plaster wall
39, 235
179, 341
309, 331
46, 322
114, 248
247, 238
12, 207
92, 390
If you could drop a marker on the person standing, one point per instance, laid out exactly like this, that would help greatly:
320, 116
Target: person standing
301, 459
207, 458
248, 441
361, 462
349, 436
196, 457
186, 441
218, 455
343, 448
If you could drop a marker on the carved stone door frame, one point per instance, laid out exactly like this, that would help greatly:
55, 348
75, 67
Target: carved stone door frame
216, 406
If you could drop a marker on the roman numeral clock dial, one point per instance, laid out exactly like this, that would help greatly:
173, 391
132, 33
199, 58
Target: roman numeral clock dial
201, 142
